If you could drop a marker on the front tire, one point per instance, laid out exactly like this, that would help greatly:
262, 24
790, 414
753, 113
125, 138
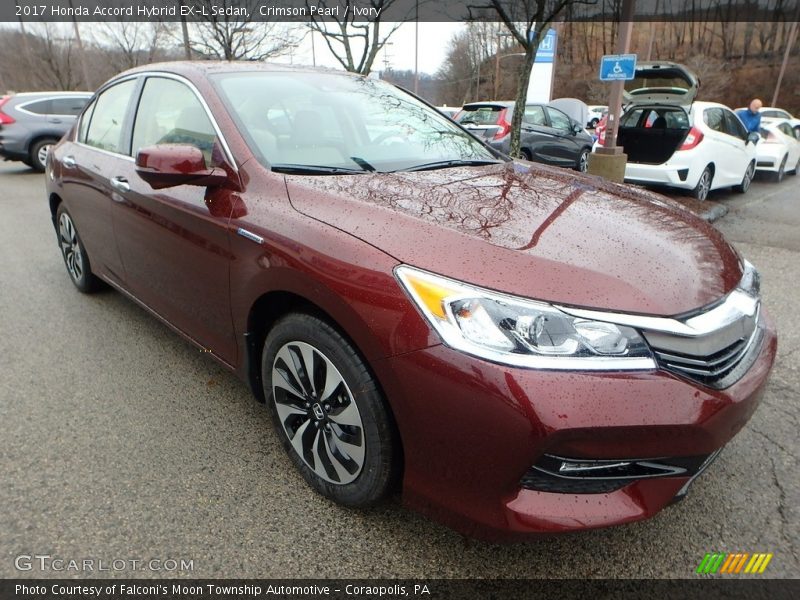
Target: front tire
78, 266
700, 191
583, 161
37, 158
747, 179
328, 411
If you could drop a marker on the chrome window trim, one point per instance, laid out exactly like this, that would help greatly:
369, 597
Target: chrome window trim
145, 75
223, 142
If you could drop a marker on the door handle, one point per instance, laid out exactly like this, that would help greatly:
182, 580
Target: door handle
120, 184
69, 162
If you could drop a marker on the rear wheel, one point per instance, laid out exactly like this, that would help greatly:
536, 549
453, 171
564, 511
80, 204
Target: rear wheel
796, 170
700, 191
778, 177
593, 123
38, 154
328, 411
747, 179
75, 259
526, 154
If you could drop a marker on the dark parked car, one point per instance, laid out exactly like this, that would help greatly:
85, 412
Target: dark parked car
548, 135
524, 352
31, 123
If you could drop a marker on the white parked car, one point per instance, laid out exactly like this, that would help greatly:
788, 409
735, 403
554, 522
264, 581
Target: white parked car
596, 113
672, 140
778, 152
772, 113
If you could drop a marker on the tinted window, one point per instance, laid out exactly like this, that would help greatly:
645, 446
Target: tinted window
787, 129
105, 129
714, 118
559, 120
68, 106
733, 126
84, 125
483, 115
40, 107
170, 113
534, 115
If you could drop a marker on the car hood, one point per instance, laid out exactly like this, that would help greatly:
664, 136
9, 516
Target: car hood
534, 231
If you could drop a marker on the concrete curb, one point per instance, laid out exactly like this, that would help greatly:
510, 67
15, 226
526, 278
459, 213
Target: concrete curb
713, 213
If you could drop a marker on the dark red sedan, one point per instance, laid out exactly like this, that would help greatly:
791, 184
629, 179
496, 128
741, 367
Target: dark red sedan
524, 349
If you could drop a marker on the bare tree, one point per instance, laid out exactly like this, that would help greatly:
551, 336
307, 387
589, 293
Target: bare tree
55, 59
133, 43
355, 44
223, 35
525, 21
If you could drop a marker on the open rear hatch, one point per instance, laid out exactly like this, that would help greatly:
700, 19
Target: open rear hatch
661, 83
656, 120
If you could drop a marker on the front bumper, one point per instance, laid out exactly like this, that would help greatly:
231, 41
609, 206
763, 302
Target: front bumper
471, 430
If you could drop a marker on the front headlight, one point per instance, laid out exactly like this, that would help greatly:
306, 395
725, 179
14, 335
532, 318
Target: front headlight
521, 332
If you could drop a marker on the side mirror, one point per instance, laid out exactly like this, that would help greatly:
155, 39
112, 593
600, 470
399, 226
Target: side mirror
753, 138
170, 165
576, 128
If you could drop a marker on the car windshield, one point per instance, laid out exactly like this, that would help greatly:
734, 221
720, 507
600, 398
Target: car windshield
327, 123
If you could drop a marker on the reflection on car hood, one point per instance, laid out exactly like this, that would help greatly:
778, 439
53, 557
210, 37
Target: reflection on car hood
535, 231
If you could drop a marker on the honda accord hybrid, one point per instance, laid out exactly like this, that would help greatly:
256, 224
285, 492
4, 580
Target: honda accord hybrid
517, 348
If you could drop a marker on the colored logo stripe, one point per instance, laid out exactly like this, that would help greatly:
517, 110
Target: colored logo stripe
723, 562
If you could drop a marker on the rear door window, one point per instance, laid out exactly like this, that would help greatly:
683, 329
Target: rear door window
68, 106
715, 119
733, 125
108, 118
170, 113
534, 115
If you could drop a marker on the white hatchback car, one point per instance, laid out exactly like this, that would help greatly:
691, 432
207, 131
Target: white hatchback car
778, 152
672, 140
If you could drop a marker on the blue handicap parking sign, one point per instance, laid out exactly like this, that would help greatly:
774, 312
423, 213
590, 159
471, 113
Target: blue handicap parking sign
615, 67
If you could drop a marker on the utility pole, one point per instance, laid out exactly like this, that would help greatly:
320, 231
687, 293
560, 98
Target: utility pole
416, 48
789, 44
86, 79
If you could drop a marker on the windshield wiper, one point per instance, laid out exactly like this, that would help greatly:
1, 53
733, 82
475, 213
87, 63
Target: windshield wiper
445, 164
317, 169
362, 163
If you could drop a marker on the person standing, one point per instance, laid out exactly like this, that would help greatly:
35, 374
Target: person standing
750, 116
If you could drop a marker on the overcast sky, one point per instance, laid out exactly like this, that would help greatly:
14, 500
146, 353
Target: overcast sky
433, 41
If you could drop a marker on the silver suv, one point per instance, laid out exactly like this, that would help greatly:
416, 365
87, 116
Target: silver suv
31, 123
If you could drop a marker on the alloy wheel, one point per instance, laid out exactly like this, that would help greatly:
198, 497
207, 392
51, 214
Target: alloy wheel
703, 185
318, 413
583, 162
70, 247
781, 170
748, 177
42, 153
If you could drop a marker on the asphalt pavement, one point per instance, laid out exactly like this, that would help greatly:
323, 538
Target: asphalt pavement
120, 441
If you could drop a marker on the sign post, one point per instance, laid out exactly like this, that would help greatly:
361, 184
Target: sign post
609, 160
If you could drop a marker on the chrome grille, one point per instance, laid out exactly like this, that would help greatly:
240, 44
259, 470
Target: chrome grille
720, 368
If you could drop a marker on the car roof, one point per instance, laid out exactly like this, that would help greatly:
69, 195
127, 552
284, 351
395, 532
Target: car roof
775, 121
